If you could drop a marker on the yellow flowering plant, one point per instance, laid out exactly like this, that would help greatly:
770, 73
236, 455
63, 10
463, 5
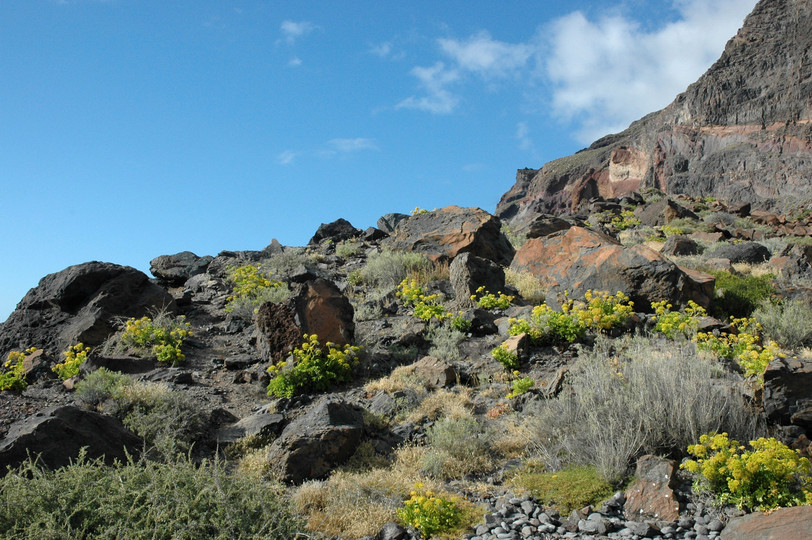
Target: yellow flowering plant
600, 310
314, 368
488, 300
429, 513
425, 306
13, 377
75, 356
162, 336
770, 475
252, 288
508, 359
745, 347
674, 324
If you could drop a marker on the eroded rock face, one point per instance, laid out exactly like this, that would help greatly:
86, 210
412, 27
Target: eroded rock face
80, 304
57, 434
787, 396
318, 441
318, 307
338, 230
580, 259
742, 132
443, 234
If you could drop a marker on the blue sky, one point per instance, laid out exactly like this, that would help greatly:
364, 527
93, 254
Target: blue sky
137, 128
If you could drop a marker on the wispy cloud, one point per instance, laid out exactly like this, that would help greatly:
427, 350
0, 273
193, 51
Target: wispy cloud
434, 80
598, 74
523, 136
286, 157
295, 62
292, 30
345, 146
381, 49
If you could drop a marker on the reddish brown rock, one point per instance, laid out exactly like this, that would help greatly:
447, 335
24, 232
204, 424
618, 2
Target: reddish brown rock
781, 524
652, 495
318, 307
662, 212
518, 345
444, 233
435, 373
580, 259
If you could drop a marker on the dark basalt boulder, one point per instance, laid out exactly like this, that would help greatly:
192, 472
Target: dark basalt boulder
57, 434
744, 252
80, 304
469, 272
338, 230
175, 269
318, 441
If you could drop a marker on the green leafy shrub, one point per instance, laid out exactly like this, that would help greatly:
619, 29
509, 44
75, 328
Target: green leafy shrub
162, 336
771, 475
780, 322
74, 358
429, 513
252, 288
314, 368
13, 378
739, 296
569, 489
674, 324
488, 300
508, 359
141, 499
460, 323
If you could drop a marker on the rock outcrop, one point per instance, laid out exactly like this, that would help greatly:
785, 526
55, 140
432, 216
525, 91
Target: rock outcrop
579, 259
443, 234
80, 304
742, 132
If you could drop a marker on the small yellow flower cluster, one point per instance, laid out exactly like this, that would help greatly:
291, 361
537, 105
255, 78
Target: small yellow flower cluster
675, 324
163, 337
625, 220
14, 377
74, 357
488, 300
602, 311
745, 347
429, 513
505, 357
417, 211
315, 367
249, 285
768, 476
426, 306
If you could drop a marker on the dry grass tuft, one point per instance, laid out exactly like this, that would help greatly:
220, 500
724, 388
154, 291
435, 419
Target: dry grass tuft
528, 285
443, 404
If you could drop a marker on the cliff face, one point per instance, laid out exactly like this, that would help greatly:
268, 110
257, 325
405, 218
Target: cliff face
742, 132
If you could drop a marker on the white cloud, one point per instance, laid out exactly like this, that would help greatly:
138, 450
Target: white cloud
352, 145
609, 72
523, 136
295, 62
286, 157
433, 80
486, 56
382, 49
293, 30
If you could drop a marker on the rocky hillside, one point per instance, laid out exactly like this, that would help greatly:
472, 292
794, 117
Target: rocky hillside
539, 386
741, 133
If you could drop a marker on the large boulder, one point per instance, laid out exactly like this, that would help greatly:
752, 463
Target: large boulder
469, 272
318, 441
443, 234
338, 230
787, 396
80, 304
781, 524
743, 252
57, 434
316, 307
579, 259
652, 494
662, 212
175, 269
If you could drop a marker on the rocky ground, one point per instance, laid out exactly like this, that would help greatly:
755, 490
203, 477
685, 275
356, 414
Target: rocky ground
227, 356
